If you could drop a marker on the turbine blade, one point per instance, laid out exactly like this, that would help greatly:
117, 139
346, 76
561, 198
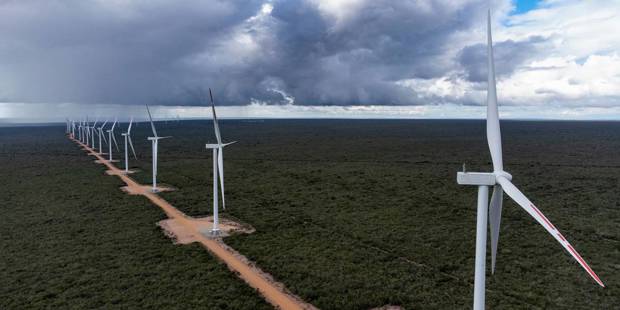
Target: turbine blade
495, 216
103, 135
151, 119
131, 145
494, 137
530, 208
114, 139
129, 128
220, 168
215, 125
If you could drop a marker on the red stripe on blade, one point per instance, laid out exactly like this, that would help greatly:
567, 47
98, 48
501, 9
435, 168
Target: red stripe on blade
543, 216
585, 265
561, 237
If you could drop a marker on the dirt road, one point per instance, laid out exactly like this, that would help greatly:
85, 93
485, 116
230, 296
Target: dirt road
274, 292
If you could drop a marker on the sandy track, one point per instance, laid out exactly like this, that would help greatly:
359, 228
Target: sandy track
274, 292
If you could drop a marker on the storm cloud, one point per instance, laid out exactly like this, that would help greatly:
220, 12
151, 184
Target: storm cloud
508, 55
306, 52
312, 52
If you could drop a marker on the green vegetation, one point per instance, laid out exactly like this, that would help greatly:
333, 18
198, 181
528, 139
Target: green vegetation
69, 238
356, 214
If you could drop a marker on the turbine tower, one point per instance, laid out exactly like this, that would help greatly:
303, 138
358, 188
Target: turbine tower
82, 131
87, 129
127, 136
93, 129
73, 127
102, 136
500, 180
218, 168
111, 138
154, 140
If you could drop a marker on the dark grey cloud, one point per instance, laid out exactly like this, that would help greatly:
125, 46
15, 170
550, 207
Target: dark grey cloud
509, 55
165, 52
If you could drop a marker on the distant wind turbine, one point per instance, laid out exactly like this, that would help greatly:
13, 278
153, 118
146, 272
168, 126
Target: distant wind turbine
112, 138
127, 136
218, 167
87, 131
500, 180
73, 129
93, 129
102, 136
154, 141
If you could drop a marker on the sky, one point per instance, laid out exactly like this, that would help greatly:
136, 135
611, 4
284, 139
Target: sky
555, 59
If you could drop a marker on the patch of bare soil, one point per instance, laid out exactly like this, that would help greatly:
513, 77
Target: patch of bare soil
186, 232
141, 189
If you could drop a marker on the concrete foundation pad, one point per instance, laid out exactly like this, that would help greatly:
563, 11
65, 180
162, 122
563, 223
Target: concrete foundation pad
140, 190
185, 233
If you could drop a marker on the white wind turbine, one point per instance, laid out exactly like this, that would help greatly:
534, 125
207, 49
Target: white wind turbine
111, 138
101, 137
127, 136
86, 131
218, 167
92, 134
500, 180
80, 131
73, 129
83, 131
82, 135
154, 141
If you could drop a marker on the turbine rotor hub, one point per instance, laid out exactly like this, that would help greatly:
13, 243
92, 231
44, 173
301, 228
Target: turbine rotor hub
503, 174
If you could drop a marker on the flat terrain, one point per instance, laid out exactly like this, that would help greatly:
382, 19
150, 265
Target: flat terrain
348, 215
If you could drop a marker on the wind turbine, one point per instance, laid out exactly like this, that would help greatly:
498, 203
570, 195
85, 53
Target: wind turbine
500, 180
102, 136
154, 140
83, 131
127, 136
218, 167
93, 129
87, 128
111, 138
80, 131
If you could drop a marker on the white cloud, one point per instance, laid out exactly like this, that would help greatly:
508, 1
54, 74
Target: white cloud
562, 78
578, 66
582, 61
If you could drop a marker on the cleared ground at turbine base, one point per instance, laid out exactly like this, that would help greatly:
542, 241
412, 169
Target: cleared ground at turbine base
349, 214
